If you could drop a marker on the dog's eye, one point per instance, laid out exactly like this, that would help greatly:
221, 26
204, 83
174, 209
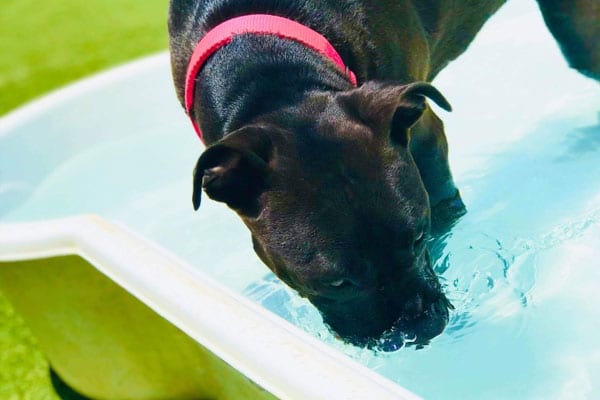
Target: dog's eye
341, 283
419, 238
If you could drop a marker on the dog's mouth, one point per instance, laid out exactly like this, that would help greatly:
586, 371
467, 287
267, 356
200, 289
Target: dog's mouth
413, 328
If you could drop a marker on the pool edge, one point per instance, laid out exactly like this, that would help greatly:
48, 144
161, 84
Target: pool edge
274, 354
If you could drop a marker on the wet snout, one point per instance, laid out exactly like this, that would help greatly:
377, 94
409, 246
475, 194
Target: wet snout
405, 305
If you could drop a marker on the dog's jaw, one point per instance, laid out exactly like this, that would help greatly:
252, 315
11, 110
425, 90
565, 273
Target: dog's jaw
411, 311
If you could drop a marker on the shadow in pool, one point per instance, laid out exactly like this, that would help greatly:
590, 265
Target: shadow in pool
581, 141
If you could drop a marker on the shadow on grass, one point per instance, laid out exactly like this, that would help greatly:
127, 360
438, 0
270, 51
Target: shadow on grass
63, 390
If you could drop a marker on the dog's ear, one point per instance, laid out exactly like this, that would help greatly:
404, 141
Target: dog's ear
235, 170
391, 108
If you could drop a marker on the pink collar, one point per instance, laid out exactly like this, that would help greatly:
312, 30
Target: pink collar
263, 24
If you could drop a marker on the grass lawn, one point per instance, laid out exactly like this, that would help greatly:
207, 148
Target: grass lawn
45, 45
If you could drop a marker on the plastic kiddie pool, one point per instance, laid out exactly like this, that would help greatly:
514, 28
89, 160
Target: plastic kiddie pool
116, 315
147, 299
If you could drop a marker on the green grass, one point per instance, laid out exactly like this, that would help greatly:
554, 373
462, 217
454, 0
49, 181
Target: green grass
23, 369
45, 45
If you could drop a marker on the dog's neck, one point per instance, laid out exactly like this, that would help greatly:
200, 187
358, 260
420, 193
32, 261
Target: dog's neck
255, 75
279, 28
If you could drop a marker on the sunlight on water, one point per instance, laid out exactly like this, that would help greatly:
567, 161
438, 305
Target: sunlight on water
522, 267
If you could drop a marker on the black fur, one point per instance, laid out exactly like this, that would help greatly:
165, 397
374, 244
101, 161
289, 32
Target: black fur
340, 186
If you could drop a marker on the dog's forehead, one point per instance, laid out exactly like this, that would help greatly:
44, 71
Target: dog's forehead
327, 118
344, 195
322, 171
335, 122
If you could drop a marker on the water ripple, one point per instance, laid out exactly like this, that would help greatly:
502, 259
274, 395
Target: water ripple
492, 277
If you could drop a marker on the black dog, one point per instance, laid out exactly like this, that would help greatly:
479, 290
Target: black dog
341, 186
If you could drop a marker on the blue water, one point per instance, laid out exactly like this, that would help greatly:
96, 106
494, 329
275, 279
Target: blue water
522, 267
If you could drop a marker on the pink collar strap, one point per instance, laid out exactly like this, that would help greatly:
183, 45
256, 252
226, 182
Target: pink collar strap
262, 24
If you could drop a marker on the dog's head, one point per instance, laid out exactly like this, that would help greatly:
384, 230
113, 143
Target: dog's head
336, 206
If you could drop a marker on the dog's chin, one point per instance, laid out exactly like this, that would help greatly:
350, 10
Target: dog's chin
408, 330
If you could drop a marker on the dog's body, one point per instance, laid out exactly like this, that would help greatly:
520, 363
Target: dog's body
339, 186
